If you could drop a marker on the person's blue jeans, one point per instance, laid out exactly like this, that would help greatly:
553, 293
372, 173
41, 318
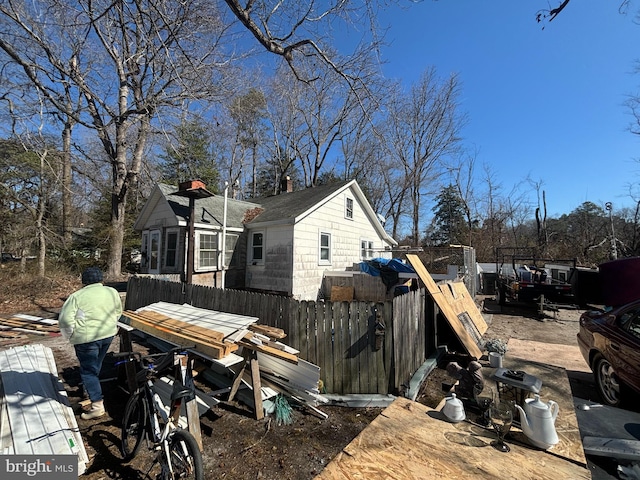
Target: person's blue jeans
90, 356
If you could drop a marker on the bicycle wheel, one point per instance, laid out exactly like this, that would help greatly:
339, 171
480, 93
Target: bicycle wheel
134, 425
185, 458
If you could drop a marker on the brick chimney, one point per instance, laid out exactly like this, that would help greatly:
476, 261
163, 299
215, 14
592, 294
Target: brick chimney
191, 185
286, 185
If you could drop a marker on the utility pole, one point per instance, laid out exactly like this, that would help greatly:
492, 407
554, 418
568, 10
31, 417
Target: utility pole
614, 250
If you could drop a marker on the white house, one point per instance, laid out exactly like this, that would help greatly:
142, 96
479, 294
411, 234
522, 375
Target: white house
281, 244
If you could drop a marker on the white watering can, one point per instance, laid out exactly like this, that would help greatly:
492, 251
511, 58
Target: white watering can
537, 421
453, 409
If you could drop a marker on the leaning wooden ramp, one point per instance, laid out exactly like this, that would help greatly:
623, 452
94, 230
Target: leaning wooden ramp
36, 417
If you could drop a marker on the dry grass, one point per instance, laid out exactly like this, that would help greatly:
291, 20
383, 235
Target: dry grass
25, 292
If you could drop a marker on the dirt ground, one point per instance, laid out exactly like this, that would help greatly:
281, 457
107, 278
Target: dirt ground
236, 446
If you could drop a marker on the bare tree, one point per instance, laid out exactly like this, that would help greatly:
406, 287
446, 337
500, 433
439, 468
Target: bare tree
463, 174
425, 127
128, 62
248, 112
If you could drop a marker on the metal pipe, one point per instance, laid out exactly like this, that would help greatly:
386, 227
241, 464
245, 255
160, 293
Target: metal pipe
224, 236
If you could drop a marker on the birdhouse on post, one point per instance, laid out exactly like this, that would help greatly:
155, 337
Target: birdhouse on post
193, 190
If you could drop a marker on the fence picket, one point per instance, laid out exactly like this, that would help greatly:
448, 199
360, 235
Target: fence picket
336, 336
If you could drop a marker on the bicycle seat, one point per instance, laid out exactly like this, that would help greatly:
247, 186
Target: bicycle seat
180, 391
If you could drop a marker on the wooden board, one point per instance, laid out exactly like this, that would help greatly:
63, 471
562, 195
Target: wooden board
267, 330
159, 319
409, 440
443, 304
274, 352
341, 294
200, 343
464, 302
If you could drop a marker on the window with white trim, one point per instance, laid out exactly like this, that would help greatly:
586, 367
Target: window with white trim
171, 248
366, 249
208, 251
257, 248
324, 253
348, 208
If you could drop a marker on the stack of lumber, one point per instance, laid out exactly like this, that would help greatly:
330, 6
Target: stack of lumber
209, 342
20, 325
214, 334
218, 335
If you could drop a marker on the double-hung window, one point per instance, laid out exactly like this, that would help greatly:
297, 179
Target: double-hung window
366, 249
257, 248
324, 253
208, 251
171, 249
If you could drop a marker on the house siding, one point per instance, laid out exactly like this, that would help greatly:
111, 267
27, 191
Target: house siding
161, 216
346, 235
275, 274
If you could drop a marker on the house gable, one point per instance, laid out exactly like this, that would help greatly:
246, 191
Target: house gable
291, 208
284, 244
308, 232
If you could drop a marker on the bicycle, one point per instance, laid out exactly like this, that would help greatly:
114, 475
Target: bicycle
147, 417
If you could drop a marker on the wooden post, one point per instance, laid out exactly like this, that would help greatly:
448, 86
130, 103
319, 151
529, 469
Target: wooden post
191, 407
251, 359
129, 367
257, 386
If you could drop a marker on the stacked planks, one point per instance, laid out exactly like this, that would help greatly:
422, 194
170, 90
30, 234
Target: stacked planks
204, 340
18, 325
217, 335
217, 340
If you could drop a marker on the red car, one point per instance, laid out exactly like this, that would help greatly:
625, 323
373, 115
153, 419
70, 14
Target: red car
610, 343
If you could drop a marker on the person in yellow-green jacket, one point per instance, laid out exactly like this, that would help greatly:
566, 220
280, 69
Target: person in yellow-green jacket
88, 319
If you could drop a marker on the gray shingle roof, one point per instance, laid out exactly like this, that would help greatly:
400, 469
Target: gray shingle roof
291, 205
210, 209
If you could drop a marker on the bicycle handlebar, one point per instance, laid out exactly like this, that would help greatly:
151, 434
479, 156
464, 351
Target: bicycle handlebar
146, 361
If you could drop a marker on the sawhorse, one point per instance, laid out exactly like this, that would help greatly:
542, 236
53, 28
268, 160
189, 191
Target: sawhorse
250, 358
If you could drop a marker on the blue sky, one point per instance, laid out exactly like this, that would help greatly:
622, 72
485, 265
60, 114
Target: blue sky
542, 103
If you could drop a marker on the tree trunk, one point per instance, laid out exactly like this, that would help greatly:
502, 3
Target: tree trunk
66, 183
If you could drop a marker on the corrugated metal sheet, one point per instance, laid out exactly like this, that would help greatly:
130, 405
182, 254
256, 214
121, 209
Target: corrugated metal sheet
37, 417
164, 387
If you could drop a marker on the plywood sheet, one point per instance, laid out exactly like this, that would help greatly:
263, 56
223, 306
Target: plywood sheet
566, 356
341, 294
464, 302
456, 322
409, 440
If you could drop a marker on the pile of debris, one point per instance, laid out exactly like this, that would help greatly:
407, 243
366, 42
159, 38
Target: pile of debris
226, 343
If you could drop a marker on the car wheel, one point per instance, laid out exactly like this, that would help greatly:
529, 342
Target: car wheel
609, 387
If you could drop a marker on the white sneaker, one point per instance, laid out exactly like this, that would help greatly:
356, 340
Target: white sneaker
94, 412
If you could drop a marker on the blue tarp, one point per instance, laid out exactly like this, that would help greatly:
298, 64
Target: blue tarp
373, 266
386, 268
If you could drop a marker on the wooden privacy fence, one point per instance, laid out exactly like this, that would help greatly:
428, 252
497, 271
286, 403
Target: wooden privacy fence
360, 347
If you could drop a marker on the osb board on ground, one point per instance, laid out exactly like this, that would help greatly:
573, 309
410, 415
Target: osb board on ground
566, 356
468, 340
409, 440
556, 387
